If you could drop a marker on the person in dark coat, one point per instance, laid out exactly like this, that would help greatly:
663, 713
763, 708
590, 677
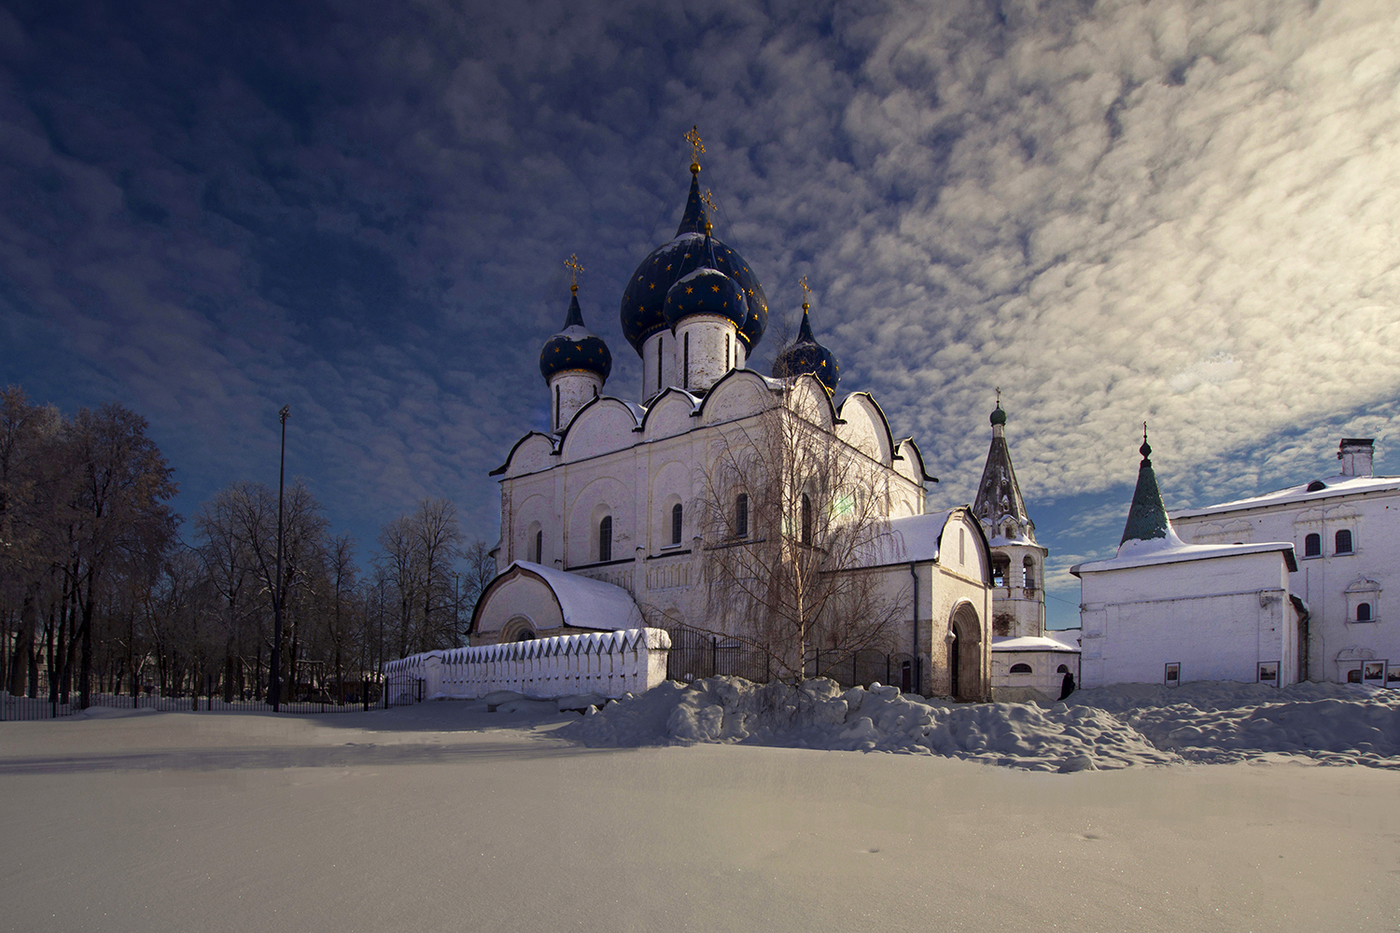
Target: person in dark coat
1067, 685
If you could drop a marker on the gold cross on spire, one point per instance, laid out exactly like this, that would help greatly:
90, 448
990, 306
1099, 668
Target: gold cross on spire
574, 268
696, 147
709, 198
805, 292
998, 396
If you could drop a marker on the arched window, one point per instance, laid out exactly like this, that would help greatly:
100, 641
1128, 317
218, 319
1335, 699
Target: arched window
727, 364
1344, 541
741, 515
806, 519
556, 408
1029, 566
1363, 612
525, 635
660, 341
1312, 545
677, 514
1021, 669
539, 547
605, 539
687, 360
1062, 669
1000, 568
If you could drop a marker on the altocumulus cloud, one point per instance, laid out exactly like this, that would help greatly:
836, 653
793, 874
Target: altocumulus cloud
1169, 212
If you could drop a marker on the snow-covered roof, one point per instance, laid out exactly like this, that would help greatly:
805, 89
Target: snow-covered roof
583, 601
1171, 550
913, 538
1331, 486
1033, 643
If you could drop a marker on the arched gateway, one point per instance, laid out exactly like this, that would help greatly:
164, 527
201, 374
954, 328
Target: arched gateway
966, 679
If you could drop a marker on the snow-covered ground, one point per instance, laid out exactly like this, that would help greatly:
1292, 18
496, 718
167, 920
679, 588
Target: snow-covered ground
699, 811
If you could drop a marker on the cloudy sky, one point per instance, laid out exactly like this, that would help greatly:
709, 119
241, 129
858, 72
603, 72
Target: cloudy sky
1174, 212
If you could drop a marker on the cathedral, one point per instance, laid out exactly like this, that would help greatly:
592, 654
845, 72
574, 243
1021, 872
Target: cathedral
735, 502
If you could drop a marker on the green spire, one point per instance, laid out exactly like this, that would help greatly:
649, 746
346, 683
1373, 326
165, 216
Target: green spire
1147, 519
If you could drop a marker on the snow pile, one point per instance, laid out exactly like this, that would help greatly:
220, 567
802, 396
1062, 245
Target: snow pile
1108, 728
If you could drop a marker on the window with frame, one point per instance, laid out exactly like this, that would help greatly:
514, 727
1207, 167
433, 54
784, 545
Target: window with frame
741, 515
1363, 612
806, 519
1029, 567
1343, 541
1312, 545
605, 539
677, 519
1021, 668
539, 547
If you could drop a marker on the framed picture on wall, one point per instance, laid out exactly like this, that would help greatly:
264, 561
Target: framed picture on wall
1268, 673
1173, 674
1373, 672
1392, 676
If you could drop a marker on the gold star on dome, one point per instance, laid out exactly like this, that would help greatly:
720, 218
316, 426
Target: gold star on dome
688, 289
714, 288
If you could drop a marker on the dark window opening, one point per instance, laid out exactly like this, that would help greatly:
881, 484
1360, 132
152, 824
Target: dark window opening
1316, 485
1312, 545
687, 361
605, 539
1363, 612
557, 413
806, 519
1344, 541
741, 515
539, 547
1030, 573
1021, 669
525, 635
1062, 669
676, 516
1000, 569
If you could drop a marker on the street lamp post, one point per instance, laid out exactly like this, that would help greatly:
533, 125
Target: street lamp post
276, 684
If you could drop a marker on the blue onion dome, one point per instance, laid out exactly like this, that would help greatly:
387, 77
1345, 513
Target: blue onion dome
999, 415
706, 291
805, 355
643, 310
575, 347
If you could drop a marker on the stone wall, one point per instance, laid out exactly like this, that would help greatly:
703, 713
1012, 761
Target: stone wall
606, 663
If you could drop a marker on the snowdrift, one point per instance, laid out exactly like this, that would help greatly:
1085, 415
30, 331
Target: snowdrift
1112, 727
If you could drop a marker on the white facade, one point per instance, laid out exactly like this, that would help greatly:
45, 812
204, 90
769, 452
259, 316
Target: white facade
1345, 530
1169, 613
1164, 611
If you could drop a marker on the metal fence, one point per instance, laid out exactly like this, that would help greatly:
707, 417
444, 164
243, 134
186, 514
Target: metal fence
53, 704
696, 653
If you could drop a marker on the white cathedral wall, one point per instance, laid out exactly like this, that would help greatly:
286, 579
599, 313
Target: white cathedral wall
1216, 618
1337, 643
711, 342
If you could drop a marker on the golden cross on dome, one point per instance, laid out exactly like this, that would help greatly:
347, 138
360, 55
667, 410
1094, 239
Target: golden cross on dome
696, 147
805, 292
709, 198
574, 269
998, 396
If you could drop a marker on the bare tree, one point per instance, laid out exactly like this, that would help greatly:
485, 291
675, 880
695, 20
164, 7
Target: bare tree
418, 552
793, 520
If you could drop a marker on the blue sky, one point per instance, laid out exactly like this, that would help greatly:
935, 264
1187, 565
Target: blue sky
1183, 213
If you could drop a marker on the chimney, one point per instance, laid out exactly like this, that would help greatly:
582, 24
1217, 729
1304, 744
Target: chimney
1355, 454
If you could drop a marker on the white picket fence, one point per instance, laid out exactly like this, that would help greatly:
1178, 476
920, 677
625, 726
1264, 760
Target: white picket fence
606, 663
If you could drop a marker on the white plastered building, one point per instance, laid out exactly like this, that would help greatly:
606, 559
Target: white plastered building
1162, 610
1345, 529
611, 495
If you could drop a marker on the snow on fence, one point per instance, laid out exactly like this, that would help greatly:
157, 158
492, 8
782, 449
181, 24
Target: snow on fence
606, 663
